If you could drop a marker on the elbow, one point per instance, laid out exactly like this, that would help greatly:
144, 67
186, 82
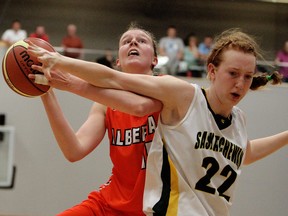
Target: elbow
72, 158
139, 111
146, 108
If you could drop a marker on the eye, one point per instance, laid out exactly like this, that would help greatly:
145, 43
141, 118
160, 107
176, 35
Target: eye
126, 41
142, 41
248, 77
233, 74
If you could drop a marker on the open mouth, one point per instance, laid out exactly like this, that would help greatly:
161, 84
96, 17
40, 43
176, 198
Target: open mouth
235, 95
133, 53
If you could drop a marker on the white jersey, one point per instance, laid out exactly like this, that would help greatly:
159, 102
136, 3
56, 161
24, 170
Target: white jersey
193, 166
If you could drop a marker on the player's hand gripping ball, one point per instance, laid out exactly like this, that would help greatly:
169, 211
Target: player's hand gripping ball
16, 67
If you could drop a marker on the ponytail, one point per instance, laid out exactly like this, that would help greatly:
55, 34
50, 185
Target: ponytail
264, 78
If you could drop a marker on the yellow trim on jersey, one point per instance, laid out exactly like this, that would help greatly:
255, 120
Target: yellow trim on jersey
174, 194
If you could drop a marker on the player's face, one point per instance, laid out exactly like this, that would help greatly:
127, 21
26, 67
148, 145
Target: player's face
232, 79
136, 53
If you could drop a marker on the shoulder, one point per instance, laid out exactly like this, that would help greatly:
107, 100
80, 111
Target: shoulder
8, 31
163, 39
98, 108
239, 115
201, 46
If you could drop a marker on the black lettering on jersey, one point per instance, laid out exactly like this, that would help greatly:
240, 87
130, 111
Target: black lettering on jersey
229, 150
203, 139
209, 142
216, 144
221, 144
197, 144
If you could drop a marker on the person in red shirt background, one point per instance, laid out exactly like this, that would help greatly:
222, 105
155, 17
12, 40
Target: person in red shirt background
40, 32
72, 41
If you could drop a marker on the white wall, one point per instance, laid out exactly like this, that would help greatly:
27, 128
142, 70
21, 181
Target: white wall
263, 185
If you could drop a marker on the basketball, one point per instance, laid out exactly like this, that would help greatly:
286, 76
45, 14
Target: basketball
16, 67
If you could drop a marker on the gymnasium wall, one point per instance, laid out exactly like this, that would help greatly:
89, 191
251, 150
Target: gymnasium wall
47, 184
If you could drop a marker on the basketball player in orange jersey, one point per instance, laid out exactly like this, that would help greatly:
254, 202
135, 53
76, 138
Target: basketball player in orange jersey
129, 135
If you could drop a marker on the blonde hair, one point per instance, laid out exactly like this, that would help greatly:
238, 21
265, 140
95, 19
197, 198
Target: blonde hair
238, 40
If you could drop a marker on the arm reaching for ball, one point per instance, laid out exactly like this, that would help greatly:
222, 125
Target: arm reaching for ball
124, 101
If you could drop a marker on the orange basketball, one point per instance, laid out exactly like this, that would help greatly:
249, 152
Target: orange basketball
16, 67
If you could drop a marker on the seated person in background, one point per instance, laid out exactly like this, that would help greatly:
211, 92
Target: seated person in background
205, 48
191, 56
72, 41
40, 33
281, 59
172, 47
14, 34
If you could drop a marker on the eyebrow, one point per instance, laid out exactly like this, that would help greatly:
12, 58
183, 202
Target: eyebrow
142, 35
238, 69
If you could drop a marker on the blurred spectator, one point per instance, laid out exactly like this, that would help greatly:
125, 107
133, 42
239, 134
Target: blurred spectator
10, 36
107, 60
172, 47
205, 47
191, 54
40, 33
282, 61
72, 43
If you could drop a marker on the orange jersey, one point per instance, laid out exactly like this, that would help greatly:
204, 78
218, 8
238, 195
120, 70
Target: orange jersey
130, 139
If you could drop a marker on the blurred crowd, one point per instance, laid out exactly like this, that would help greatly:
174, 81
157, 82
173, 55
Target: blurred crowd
178, 56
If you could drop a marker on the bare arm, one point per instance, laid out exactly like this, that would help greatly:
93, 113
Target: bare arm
102, 76
74, 146
124, 101
262, 147
175, 94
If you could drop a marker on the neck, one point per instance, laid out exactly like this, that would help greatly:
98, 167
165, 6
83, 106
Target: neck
137, 71
216, 105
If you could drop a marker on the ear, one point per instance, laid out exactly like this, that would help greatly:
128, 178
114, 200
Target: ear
154, 61
211, 70
118, 63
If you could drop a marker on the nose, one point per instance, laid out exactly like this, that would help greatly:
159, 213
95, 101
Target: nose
133, 42
240, 82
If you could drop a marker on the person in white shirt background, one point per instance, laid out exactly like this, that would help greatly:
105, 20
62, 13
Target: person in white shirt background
14, 34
